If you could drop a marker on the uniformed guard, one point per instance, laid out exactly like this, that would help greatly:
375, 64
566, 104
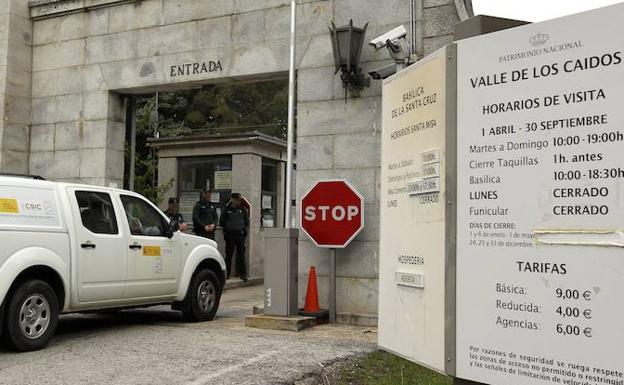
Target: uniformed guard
205, 217
235, 221
173, 213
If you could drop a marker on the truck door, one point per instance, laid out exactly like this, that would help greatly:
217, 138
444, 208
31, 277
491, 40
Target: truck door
101, 256
153, 257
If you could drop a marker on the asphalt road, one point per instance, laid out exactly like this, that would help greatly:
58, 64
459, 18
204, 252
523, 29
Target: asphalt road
156, 347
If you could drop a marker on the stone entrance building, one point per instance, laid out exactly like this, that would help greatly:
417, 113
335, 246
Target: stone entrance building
67, 66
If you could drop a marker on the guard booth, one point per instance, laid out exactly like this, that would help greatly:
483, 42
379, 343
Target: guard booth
252, 164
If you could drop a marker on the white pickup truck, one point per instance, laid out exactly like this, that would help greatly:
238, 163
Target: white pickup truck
76, 248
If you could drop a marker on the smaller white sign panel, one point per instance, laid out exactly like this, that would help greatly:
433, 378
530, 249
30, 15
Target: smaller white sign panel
431, 156
410, 279
223, 180
424, 186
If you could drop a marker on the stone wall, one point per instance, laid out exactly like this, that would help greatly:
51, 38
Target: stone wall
15, 75
342, 140
88, 54
85, 57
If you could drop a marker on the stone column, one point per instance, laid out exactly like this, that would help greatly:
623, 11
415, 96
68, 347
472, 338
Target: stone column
246, 180
15, 74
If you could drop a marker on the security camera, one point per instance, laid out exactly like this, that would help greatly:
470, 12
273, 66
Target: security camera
392, 36
384, 72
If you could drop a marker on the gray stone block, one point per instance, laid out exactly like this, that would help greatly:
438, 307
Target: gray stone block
357, 295
363, 11
123, 74
264, 58
55, 165
67, 136
177, 11
432, 44
15, 137
114, 47
42, 138
83, 24
92, 134
358, 260
92, 78
319, 154
437, 3
361, 150
142, 14
17, 110
314, 18
114, 164
68, 108
249, 28
59, 55
14, 162
116, 136
116, 107
371, 225
243, 6
95, 105
338, 117
67, 164
18, 82
70, 80
44, 83
213, 33
311, 255
43, 110
359, 178
46, 31
440, 20
315, 84
4, 49
93, 163
167, 40
314, 51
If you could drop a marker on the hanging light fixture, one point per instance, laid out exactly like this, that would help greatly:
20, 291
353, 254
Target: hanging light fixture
347, 43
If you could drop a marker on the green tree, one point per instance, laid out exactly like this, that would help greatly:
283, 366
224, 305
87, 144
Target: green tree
231, 108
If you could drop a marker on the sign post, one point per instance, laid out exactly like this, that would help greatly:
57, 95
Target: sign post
332, 215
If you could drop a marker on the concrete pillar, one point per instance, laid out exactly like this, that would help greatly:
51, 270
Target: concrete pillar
15, 75
246, 180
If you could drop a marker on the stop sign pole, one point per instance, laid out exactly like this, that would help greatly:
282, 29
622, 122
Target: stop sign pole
332, 215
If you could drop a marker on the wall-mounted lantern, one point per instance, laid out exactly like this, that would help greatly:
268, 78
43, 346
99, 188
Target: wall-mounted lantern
347, 43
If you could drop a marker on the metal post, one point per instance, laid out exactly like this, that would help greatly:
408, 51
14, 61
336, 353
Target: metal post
291, 114
131, 174
419, 26
332, 285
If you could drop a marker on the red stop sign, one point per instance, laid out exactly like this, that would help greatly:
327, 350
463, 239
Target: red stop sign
332, 213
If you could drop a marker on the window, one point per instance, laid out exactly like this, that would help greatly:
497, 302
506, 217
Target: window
197, 173
269, 193
96, 212
143, 218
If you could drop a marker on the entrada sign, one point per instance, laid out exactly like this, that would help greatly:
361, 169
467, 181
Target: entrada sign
188, 69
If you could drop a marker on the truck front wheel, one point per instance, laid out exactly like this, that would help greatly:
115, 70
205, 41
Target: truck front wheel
202, 300
32, 316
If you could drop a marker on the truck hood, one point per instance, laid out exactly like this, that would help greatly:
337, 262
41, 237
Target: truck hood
191, 241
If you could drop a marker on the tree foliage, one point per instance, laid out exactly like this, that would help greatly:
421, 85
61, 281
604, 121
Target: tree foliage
231, 108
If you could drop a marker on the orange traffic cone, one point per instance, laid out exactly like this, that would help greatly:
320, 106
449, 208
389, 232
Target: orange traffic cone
312, 300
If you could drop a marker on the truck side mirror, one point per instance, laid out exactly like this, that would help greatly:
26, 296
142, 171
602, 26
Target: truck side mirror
173, 227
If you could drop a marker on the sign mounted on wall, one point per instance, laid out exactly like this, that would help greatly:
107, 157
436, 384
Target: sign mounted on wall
540, 203
413, 211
